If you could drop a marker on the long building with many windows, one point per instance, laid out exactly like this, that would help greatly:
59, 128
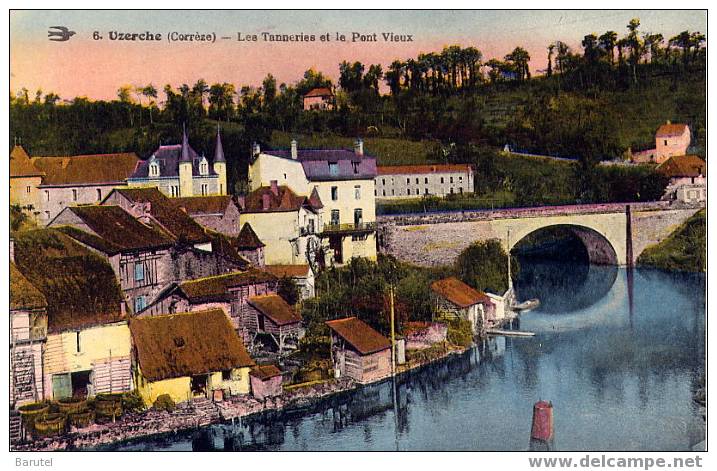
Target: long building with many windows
414, 181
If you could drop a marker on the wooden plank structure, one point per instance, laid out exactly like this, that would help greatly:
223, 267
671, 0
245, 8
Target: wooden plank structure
111, 375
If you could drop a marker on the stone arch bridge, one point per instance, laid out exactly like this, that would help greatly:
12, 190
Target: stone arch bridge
613, 234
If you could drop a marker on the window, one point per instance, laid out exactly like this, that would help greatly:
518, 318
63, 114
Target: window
384, 192
358, 216
357, 192
139, 304
393, 192
334, 217
416, 180
174, 189
205, 189
451, 190
356, 167
451, 179
27, 189
74, 195
47, 215
284, 176
665, 141
425, 191
426, 180
154, 169
408, 191
99, 194
442, 180
203, 167
408, 181
383, 181
139, 271
334, 193
333, 168
77, 340
460, 189
226, 375
47, 195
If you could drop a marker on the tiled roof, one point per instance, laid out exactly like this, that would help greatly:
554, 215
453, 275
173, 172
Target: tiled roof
359, 335
247, 239
671, 130
23, 294
167, 214
168, 159
345, 164
282, 201
194, 205
275, 308
119, 231
87, 169
79, 286
288, 271
459, 293
264, 372
179, 345
423, 169
226, 247
683, 166
322, 91
216, 288
21, 165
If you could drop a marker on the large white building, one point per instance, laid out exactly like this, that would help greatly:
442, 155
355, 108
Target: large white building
413, 181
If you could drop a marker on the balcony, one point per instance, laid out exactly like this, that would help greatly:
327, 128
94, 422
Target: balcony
344, 229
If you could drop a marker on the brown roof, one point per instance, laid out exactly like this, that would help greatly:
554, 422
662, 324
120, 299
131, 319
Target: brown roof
247, 239
288, 271
216, 288
167, 214
23, 294
79, 286
459, 293
275, 308
683, 166
203, 204
359, 335
264, 372
177, 345
21, 165
117, 230
671, 130
283, 200
86, 169
321, 91
421, 169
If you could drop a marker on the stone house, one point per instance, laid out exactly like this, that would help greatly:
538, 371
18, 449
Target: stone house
266, 381
358, 351
219, 213
302, 275
88, 342
25, 180
413, 181
28, 334
249, 246
342, 179
269, 314
688, 175
188, 355
670, 140
319, 99
455, 299
178, 170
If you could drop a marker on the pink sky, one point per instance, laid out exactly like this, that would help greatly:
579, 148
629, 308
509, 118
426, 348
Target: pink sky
96, 69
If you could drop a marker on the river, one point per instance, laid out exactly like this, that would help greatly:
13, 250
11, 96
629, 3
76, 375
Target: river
618, 354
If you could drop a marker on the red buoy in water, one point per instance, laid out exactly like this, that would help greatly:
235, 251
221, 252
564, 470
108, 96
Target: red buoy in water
542, 421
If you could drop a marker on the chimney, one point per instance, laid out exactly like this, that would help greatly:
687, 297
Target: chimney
12, 250
358, 147
255, 149
669, 122
294, 149
275, 187
265, 201
241, 199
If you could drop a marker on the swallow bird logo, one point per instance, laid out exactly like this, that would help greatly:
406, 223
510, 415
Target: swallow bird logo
60, 33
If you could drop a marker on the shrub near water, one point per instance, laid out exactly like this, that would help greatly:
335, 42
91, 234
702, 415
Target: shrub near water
164, 402
683, 250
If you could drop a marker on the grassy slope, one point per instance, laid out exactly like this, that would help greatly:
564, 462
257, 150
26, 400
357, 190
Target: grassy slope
683, 250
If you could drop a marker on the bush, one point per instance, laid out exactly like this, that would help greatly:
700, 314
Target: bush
132, 402
164, 402
460, 333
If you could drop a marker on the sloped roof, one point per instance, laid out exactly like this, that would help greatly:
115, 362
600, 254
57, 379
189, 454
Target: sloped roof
345, 164
177, 345
203, 205
247, 239
165, 212
216, 288
422, 169
87, 169
275, 308
321, 91
288, 271
683, 166
359, 335
283, 200
225, 246
168, 159
118, 230
459, 293
23, 294
21, 165
79, 286
671, 130
264, 372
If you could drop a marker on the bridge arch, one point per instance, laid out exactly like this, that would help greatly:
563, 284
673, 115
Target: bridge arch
600, 250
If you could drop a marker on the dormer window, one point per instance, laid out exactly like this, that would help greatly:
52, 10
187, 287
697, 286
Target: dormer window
203, 166
333, 168
153, 168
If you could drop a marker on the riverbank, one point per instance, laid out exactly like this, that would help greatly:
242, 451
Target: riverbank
683, 250
199, 413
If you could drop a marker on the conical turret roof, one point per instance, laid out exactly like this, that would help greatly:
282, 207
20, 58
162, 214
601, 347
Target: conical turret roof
219, 150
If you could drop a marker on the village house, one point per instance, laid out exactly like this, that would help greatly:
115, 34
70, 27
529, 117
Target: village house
28, 334
358, 351
270, 315
302, 275
249, 246
343, 181
455, 299
88, 341
319, 99
288, 224
219, 213
412, 181
229, 292
266, 381
178, 170
670, 140
687, 174
188, 355
25, 180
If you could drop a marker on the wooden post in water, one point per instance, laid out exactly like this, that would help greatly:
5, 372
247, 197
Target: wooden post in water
542, 430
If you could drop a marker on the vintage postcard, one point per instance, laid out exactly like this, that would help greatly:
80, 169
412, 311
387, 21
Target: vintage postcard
365, 230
